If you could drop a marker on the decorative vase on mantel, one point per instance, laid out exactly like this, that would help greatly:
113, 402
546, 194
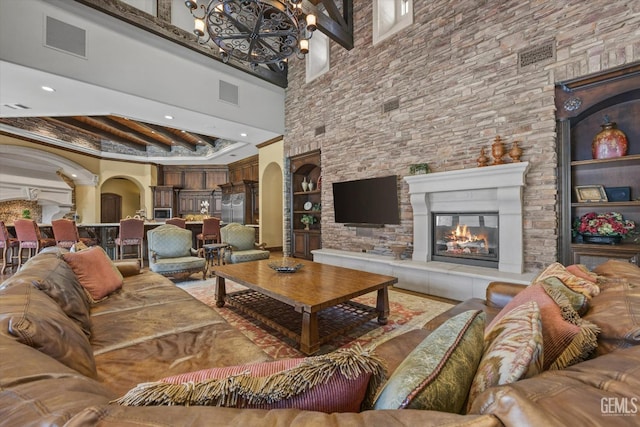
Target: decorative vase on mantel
516, 152
482, 160
305, 184
610, 142
498, 150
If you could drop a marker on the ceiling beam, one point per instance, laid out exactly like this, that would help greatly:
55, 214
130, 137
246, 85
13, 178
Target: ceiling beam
170, 136
338, 28
141, 130
78, 126
192, 138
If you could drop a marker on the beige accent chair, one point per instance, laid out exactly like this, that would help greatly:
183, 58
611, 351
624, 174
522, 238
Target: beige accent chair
171, 253
242, 244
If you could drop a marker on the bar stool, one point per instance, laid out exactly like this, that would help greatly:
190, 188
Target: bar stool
28, 234
9, 245
65, 232
210, 231
131, 234
180, 222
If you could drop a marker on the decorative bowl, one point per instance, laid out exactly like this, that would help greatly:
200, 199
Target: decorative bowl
285, 266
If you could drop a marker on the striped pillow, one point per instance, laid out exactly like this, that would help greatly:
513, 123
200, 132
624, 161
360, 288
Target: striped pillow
342, 381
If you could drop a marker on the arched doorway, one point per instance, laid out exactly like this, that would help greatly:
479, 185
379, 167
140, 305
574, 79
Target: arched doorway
129, 202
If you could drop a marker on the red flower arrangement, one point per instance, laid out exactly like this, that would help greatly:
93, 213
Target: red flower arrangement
605, 224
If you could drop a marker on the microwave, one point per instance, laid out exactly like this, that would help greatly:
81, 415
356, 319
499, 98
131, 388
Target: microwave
162, 213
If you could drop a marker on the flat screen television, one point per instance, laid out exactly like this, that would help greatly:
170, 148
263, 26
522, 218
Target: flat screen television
371, 201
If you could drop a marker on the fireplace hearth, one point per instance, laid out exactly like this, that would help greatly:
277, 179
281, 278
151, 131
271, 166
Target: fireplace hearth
466, 238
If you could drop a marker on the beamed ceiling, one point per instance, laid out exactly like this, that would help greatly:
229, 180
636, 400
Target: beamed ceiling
94, 131
116, 134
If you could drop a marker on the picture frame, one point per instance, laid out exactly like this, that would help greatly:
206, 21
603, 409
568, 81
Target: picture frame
590, 193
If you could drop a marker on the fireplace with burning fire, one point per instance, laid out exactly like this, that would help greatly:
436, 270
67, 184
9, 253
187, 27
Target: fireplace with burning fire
466, 238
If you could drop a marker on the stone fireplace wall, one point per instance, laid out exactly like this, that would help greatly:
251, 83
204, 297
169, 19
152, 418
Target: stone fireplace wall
455, 73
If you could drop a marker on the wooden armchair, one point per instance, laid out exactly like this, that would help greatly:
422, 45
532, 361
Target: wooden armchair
242, 244
171, 254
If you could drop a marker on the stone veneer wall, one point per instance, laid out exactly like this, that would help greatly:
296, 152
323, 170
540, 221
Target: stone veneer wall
12, 210
455, 73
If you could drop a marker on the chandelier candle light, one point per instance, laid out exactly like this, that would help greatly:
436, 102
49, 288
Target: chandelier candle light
254, 31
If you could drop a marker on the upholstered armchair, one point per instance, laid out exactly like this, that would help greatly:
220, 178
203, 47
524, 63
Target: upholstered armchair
171, 253
242, 244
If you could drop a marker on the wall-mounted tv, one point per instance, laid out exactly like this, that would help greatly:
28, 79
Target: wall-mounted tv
371, 201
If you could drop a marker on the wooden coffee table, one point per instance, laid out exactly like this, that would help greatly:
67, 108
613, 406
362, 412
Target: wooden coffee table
312, 305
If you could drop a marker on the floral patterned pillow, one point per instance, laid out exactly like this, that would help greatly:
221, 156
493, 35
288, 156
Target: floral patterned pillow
513, 350
572, 281
437, 374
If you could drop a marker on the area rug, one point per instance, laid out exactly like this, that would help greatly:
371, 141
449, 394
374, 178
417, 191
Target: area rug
407, 312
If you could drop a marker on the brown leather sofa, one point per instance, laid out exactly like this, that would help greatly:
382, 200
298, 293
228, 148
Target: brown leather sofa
151, 329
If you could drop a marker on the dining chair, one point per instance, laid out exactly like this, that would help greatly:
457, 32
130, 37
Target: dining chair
131, 234
29, 237
180, 222
210, 231
65, 232
9, 245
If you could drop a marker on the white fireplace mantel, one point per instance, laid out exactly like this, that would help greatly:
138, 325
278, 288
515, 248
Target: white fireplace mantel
488, 189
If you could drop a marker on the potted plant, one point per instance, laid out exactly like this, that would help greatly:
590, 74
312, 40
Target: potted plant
419, 169
307, 220
608, 227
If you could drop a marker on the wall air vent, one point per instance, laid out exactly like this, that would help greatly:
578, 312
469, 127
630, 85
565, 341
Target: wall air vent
320, 130
228, 92
394, 104
17, 106
533, 55
65, 37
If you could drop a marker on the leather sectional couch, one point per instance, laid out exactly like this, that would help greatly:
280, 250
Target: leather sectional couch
151, 329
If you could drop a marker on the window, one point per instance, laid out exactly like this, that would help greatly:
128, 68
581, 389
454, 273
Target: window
390, 16
317, 60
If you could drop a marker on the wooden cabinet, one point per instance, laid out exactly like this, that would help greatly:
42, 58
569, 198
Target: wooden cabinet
582, 105
304, 242
244, 170
166, 196
190, 202
306, 202
163, 196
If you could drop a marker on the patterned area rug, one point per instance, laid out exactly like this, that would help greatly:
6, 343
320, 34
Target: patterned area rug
407, 312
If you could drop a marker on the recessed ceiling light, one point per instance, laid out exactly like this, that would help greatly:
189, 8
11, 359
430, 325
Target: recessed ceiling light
243, 134
48, 89
168, 117
73, 175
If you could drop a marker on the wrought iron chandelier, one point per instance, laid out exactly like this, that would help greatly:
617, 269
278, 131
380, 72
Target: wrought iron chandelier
254, 31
